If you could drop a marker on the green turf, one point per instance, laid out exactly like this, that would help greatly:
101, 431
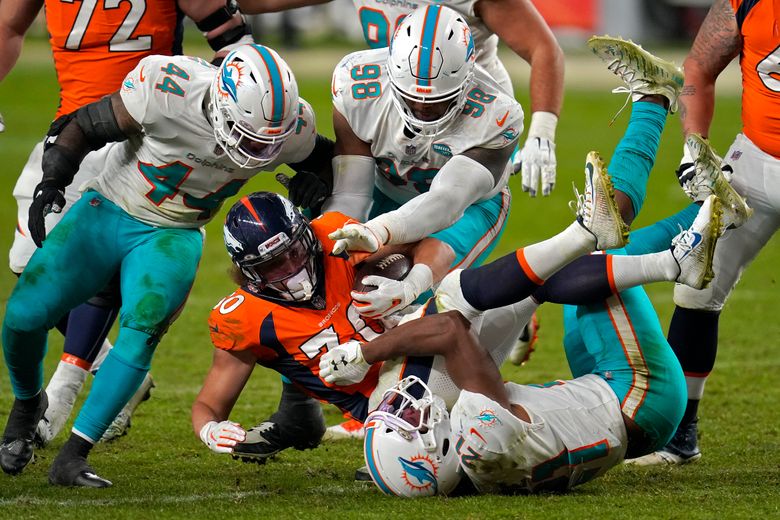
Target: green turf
162, 470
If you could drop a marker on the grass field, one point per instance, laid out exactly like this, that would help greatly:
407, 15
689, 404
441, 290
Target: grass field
161, 470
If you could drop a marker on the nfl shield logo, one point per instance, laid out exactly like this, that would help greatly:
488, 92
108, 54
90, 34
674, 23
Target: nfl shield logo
410, 149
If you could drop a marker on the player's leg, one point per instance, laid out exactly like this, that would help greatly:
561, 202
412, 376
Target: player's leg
693, 331
297, 423
75, 261
157, 273
515, 276
624, 344
88, 326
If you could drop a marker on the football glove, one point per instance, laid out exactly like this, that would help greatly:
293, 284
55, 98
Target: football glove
537, 163
355, 236
392, 295
48, 198
2, 123
220, 437
306, 190
344, 364
686, 176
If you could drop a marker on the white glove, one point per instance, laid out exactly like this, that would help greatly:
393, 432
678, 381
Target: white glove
355, 236
344, 364
2, 123
537, 163
537, 160
221, 437
392, 295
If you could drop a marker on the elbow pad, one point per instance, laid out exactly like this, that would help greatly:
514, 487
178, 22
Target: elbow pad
99, 124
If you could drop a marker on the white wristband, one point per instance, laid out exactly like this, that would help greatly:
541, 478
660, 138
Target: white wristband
420, 278
204, 432
543, 124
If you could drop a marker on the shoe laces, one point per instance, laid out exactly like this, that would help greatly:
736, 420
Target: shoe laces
684, 242
582, 204
628, 75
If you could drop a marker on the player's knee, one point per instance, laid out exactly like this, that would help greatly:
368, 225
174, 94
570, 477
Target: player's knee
135, 347
22, 315
150, 314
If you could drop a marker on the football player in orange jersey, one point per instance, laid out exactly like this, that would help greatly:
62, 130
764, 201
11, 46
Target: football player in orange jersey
749, 29
294, 302
95, 44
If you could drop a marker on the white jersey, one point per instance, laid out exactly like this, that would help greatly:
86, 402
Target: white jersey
379, 19
577, 433
406, 164
175, 174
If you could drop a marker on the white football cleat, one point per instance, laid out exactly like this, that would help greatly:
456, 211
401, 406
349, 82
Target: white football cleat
121, 422
709, 179
62, 390
694, 248
597, 211
524, 347
642, 72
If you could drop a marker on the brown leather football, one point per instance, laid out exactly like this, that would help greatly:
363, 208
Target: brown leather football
394, 266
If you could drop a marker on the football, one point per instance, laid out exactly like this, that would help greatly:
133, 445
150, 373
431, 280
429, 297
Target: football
394, 266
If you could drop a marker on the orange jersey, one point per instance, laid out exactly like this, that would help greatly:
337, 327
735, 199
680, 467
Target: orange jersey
290, 338
759, 61
97, 42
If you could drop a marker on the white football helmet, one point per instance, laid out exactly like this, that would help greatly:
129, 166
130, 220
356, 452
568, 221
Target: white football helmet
407, 446
431, 61
253, 106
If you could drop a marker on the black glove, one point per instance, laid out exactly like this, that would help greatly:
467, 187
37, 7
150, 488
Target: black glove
307, 190
48, 197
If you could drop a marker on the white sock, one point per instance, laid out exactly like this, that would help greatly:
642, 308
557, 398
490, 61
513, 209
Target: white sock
695, 386
62, 391
547, 257
630, 271
104, 350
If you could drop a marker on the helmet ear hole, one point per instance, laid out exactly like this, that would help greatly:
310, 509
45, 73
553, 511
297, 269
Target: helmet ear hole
445, 447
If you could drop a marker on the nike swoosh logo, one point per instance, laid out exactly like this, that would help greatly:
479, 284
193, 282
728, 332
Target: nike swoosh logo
500, 122
141, 75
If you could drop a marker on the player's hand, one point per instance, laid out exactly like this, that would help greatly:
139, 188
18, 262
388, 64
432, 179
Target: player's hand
2, 123
388, 297
537, 164
355, 236
344, 364
694, 187
307, 190
47, 198
220, 437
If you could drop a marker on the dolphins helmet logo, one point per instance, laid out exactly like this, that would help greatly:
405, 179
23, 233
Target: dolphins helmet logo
229, 79
420, 473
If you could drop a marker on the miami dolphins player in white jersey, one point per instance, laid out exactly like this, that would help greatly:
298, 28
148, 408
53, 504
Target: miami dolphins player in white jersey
190, 136
519, 25
423, 140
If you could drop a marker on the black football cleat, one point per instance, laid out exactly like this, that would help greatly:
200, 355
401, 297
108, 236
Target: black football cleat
299, 425
16, 450
362, 474
74, 471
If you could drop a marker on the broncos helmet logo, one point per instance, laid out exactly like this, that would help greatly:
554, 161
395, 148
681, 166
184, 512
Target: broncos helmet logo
417, 470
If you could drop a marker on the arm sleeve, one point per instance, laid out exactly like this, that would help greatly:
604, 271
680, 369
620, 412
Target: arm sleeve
460, 183
353, 186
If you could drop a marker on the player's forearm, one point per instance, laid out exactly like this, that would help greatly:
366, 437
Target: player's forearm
460, 183
697, 101
203, 414
12, 48
434, 253
546, 83
447, 335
